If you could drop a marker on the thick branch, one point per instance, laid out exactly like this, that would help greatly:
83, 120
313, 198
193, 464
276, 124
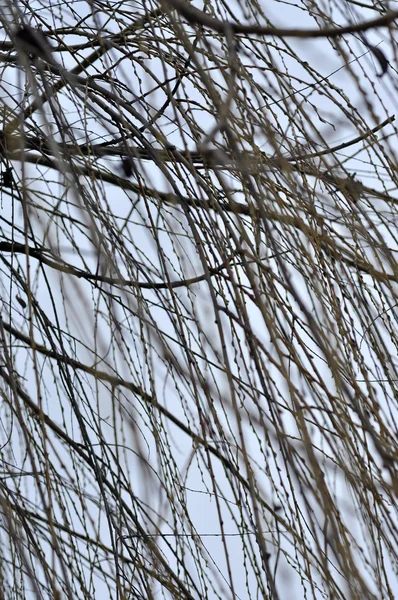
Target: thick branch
197, 17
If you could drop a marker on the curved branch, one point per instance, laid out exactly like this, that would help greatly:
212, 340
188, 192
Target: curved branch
194, 16
39, 255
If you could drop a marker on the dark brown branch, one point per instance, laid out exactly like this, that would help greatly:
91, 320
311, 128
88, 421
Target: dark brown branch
206, 158
40, 256
197, 17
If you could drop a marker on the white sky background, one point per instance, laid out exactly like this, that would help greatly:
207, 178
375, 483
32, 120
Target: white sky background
87, 318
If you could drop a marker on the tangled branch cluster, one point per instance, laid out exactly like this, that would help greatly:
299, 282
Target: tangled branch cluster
198, 300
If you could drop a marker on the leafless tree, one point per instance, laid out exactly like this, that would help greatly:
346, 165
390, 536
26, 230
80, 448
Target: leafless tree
198, 300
